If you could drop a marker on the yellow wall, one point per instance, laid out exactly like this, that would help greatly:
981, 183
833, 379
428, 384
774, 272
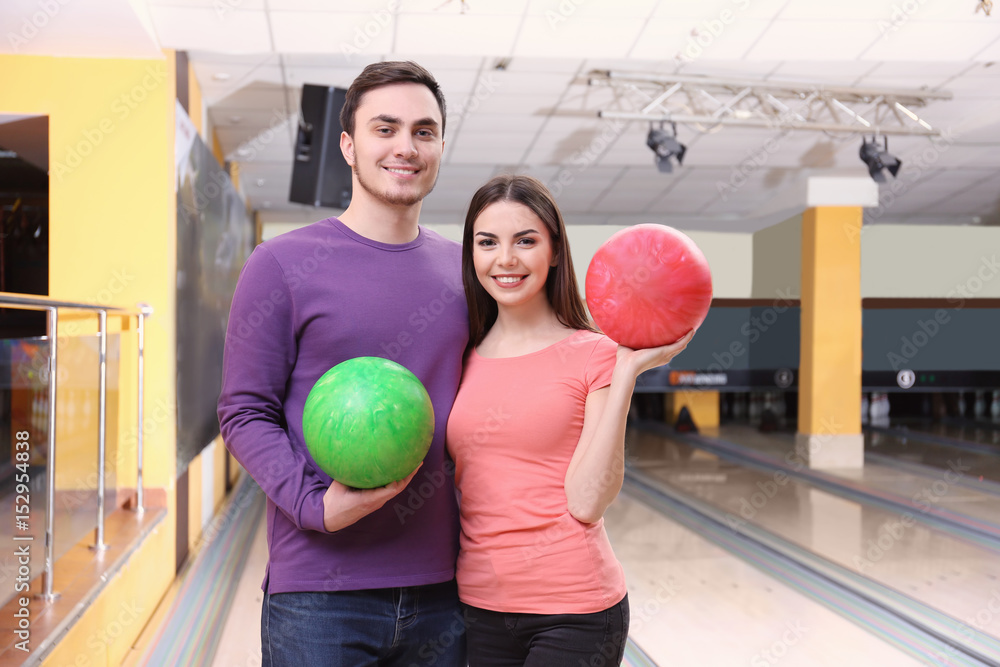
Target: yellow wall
113, 240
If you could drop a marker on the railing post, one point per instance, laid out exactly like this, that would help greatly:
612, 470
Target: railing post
144, 311
102, 403
50, 466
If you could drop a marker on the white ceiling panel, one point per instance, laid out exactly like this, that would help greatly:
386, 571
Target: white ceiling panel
460, 8
728, 43
486, 123
609, 37
503, 148
203, 29
357, 36
845, 73
370, 7
921, 40
845, 10
991, 53
815, 40
421, 34
715, 10
220, 5
662, 40
498, 103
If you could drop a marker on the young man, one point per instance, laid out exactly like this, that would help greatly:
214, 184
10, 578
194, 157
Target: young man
355, 577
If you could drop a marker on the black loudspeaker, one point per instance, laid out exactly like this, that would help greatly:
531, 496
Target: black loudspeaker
320, 175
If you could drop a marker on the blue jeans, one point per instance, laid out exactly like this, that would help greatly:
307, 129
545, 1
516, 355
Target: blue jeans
416, 626
498, 639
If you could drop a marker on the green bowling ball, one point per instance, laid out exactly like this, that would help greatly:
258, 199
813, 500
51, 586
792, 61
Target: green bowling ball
368, 422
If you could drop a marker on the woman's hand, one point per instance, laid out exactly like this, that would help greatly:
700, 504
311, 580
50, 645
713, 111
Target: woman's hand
636, 362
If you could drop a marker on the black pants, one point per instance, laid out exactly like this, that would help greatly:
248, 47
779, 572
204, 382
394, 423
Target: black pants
497, 639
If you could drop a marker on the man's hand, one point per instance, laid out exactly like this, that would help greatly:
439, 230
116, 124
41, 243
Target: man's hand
343, 505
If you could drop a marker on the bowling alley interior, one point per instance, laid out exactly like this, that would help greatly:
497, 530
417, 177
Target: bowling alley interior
814, 480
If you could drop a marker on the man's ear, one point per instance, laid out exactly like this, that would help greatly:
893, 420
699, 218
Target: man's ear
347, 147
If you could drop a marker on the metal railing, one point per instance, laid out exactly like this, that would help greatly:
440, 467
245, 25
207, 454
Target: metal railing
52, 308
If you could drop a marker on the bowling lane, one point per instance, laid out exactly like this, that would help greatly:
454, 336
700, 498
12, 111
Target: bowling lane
982, 432
957, 577
693, 603
944, 487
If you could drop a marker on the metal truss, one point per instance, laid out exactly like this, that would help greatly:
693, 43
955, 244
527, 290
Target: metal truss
709, 103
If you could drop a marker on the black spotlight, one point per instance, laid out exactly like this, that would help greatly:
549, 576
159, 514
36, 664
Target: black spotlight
665, 146
877, 160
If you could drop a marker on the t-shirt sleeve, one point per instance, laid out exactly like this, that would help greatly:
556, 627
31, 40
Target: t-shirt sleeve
601, 364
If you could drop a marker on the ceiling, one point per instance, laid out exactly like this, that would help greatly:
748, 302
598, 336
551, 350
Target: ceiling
515, 74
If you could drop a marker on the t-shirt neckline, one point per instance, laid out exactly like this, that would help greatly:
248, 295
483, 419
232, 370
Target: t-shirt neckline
392, 247
545, 349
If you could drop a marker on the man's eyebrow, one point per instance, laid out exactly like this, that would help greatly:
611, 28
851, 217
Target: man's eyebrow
394, 120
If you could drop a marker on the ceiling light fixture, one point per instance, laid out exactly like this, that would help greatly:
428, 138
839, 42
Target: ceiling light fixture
665, 146
877, 160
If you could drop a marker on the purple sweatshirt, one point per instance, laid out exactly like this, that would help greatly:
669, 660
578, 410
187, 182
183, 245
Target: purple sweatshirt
306, 301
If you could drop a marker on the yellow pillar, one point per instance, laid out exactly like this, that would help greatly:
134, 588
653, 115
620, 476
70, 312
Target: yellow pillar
830, 357
703, 407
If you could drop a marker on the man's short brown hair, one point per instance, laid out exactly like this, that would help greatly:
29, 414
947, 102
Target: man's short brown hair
387, 73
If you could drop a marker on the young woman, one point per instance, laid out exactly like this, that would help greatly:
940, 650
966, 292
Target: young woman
537, 435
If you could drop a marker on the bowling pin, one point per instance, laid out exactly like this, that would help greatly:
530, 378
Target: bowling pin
864, 408
980, 407
995, 405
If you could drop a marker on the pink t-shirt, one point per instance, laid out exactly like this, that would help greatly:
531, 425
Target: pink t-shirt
512, 432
